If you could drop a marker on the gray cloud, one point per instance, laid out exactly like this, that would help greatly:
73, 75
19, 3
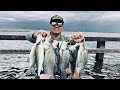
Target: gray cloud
88, 20
67, 15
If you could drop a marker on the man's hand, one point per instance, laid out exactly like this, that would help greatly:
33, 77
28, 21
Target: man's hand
44, 76
42, 32
77, 37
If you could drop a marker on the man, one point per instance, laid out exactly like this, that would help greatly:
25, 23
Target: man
56, 27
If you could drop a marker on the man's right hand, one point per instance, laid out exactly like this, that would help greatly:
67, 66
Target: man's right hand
42, 32
43, 76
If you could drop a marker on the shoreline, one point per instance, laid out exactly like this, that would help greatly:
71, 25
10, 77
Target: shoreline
29, 30
15, 30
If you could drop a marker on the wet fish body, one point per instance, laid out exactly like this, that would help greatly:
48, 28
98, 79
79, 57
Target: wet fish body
50, 61
39, 57
36, 56
82, 57
64, 59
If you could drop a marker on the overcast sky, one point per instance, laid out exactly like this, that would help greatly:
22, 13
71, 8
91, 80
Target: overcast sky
96, 17
102, 16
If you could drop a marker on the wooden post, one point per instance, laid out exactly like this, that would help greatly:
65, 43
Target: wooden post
99, 57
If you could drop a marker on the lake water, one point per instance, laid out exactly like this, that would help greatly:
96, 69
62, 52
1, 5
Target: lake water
12, 65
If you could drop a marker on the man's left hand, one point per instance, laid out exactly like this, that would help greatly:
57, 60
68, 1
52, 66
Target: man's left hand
77, 37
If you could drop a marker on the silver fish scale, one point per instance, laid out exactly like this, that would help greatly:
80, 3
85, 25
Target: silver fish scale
50, 64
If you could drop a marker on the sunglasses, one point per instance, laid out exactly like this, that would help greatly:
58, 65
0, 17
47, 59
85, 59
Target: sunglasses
59, 24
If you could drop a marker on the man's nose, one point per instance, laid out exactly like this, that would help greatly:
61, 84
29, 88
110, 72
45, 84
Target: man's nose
56, 25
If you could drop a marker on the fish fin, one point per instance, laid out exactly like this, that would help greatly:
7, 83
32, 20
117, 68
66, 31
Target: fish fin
30, 71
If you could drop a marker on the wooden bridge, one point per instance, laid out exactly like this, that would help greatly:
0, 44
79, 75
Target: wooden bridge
99, 50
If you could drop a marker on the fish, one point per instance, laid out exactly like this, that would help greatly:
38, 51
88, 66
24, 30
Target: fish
82, 58
64, 59
44, 57
36, 56
50, 61
73, 55
67, 58
39, 55
52, 56
73, 49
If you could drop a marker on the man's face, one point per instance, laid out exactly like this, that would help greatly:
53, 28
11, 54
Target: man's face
56, 27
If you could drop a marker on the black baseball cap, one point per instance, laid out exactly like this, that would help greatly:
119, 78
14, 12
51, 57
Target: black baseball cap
56, 18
